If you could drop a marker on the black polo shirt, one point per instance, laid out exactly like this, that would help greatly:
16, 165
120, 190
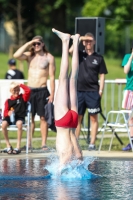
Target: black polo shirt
90, 66
14, 74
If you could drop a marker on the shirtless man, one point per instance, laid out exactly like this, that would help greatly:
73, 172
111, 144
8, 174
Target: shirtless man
41, 65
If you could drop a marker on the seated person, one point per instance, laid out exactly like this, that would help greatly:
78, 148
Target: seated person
66, 116
17, 104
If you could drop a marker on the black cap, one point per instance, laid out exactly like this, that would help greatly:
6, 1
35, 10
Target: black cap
12, 62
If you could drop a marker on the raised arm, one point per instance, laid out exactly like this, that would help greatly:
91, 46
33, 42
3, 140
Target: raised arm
27, 92
52, 77
128, 65
21, 53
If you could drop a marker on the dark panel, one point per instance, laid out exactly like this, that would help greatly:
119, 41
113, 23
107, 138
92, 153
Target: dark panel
95, 26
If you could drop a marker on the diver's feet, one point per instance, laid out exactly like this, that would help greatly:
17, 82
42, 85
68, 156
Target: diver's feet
75, 37
61, 35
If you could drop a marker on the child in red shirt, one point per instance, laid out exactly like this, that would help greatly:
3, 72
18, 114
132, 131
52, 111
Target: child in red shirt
17, 104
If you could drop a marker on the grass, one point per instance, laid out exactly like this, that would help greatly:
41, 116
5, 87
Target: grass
116, 146
114, 71
20, 65
113, 65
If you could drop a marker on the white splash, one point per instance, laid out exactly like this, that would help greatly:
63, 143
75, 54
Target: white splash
74, 170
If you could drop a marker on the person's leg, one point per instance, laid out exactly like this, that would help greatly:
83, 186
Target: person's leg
40, 97
73, 92
127, 104
128, 146
19, 124
131, 127
5, 133
61, 99
76, 146
33, 103
80, 117
31, 131
94, 129
44, 132
93, 103
74, 74
32, 125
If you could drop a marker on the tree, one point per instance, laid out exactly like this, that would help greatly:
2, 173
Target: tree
16, 11
38, 18
118, 16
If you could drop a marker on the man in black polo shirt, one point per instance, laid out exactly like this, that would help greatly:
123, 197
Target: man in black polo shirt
91, 68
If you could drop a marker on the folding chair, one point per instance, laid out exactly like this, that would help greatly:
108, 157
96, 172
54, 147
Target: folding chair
120, 124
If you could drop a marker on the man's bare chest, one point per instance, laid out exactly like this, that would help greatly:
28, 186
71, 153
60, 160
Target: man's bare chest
39, 63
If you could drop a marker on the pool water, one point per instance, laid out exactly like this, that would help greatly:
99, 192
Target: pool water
102, 180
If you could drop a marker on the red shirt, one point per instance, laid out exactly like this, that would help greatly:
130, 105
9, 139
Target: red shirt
25, 97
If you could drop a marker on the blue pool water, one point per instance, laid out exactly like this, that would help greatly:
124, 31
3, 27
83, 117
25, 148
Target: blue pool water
101, 180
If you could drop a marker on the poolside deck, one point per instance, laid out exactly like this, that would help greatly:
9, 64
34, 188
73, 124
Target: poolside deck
112, 155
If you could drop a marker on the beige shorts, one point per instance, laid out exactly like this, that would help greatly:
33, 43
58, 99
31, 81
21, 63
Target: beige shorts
127, 102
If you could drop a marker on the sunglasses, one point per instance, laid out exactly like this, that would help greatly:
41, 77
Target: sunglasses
36, 43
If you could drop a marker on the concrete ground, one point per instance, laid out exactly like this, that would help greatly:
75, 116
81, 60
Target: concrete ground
112, 155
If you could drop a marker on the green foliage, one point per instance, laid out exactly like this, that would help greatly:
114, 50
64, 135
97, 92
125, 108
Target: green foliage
94, 8
118, 15
39, 17
3, 65
119, 10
